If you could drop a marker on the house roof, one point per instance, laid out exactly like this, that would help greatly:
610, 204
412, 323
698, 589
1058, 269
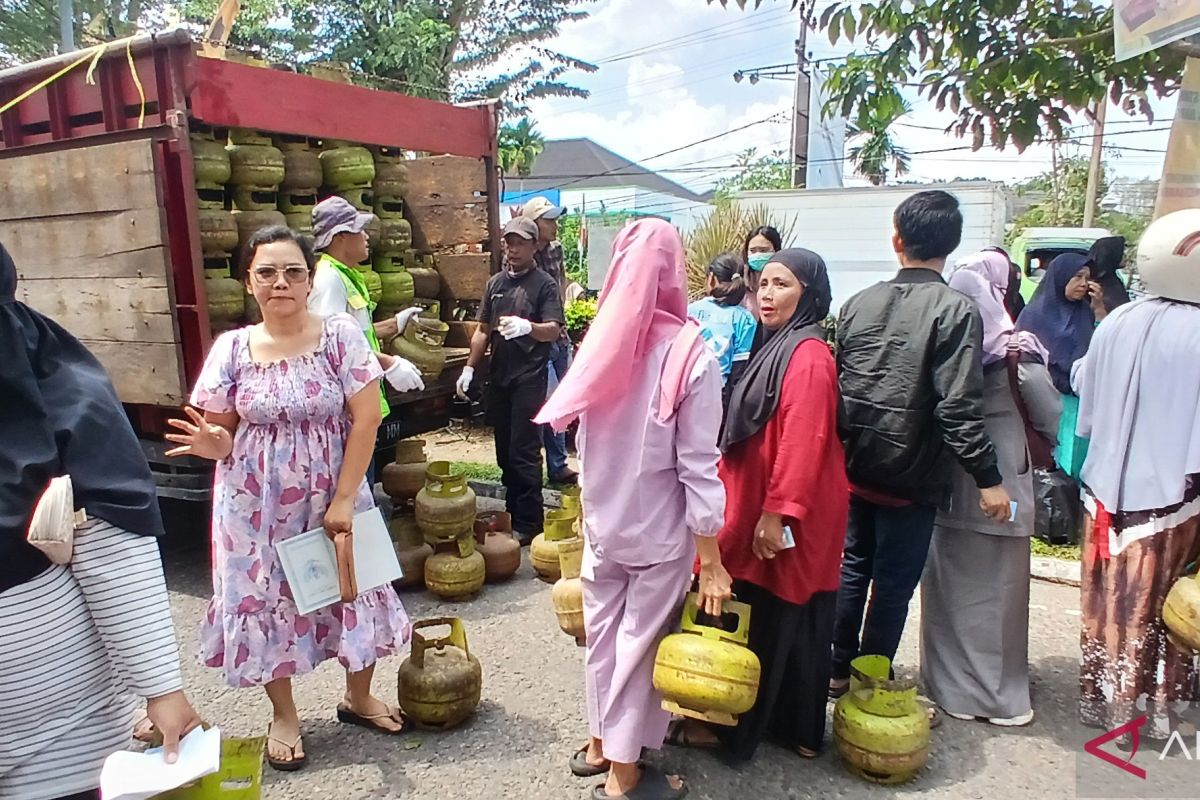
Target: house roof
563, 162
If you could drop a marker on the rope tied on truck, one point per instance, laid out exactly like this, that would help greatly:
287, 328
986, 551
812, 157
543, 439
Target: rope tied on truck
92, 54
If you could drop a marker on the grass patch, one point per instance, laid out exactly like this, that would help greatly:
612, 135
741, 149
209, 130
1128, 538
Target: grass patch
1067, 552
480, 471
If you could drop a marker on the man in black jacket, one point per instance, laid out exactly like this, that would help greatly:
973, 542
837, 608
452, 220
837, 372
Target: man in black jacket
911, 374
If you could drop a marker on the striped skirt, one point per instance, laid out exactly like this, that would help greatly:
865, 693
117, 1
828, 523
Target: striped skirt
77, 643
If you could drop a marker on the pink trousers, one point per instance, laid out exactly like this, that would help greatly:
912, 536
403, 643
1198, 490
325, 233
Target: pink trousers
627, 611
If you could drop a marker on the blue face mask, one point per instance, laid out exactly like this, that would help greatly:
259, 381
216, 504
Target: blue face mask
759, 261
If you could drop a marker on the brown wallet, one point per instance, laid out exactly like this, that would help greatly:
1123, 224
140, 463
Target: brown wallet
343, 548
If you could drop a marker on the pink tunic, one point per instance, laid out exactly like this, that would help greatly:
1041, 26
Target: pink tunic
647, 488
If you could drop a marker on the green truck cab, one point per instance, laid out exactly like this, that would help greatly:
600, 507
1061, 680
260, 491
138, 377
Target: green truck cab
1035, 248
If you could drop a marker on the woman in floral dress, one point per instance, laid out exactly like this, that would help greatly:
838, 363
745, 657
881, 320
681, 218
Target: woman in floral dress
291, 408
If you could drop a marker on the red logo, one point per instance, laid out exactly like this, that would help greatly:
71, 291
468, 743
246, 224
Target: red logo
1132, 727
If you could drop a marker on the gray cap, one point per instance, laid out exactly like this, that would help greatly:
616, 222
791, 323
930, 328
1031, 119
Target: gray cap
335, 215
523, 227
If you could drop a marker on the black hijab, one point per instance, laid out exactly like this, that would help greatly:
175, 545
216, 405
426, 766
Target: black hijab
756, 395
1106, 255
59, 415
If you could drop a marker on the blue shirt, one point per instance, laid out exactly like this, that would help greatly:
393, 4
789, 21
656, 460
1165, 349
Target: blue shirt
728, 331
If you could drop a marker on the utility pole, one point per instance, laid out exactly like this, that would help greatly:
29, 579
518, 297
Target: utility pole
66, 26
1093, 181
800, 104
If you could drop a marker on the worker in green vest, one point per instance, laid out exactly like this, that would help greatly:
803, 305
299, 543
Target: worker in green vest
338, 288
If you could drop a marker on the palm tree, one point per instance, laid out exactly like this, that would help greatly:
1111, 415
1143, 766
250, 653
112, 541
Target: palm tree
518, 147
878, 150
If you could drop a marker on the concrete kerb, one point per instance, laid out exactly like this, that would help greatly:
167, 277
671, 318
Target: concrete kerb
551, 498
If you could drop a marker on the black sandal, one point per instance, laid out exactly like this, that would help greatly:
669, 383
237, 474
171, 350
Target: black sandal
580, 767
370, 721
292, 764
653, 786
677, 736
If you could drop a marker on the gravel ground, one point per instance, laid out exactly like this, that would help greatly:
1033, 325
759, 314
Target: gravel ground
532, 714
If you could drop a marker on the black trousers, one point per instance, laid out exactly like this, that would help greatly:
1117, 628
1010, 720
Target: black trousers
519, 448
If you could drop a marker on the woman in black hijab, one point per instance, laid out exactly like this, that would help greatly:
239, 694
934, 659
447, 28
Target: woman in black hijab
787, 499
77, 641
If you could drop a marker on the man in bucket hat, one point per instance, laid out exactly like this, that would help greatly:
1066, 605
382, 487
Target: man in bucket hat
338, 288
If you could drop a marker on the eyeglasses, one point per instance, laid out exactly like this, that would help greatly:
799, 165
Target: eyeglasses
266, 276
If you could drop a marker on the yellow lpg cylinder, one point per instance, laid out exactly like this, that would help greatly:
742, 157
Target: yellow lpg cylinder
456, 571
705, 672
494, 541
405, 476
445, 507
543, 551
411, 550
881, 731
440, 683
567, 594
1181, 613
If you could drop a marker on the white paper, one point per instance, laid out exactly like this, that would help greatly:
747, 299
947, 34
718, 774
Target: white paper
310, 564
137, 776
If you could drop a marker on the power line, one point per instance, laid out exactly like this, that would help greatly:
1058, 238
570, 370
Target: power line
700, 36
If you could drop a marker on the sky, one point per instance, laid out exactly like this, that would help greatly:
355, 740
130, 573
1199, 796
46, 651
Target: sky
666, 80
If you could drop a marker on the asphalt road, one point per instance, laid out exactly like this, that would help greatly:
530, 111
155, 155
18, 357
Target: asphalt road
532, 714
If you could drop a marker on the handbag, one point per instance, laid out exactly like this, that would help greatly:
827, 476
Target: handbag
52, 528
1041, 454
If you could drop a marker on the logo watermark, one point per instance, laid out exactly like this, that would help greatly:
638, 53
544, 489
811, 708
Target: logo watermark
1124, 762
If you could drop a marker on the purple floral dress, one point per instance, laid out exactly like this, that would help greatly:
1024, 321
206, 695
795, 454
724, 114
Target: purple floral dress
277, 483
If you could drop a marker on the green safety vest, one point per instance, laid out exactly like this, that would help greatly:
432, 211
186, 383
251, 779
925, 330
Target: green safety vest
359, 299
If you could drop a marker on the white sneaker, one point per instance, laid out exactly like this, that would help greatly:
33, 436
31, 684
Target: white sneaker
1013, 722
960, 717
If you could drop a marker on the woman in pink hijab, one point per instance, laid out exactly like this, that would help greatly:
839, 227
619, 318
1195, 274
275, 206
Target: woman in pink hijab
975, 589
647, 393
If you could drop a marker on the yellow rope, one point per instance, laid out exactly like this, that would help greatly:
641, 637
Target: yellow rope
92, 54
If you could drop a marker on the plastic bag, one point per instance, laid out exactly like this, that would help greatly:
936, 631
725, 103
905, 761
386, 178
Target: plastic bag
1058, 513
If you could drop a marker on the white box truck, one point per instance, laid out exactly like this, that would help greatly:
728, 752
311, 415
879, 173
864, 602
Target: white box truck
851, 228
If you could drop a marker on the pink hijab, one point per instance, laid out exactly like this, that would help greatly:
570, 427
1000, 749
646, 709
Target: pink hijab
643, 303
983, 277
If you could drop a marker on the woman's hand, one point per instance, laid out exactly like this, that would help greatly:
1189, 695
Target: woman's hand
199, 438
175, 718
1096, 298
715, 587
339, 517
768, 536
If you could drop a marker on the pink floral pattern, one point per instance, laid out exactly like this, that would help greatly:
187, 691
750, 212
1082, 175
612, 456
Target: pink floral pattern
277, 483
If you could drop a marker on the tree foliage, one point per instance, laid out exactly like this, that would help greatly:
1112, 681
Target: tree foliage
518, 147
724, 230
755, 172
1012, 70
1060, 200
29, 28
876, 154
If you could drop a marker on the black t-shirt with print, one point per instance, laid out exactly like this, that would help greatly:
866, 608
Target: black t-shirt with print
533, 296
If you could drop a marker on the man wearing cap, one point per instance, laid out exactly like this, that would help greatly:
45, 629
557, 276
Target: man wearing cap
520, 316
338, 288
549, 258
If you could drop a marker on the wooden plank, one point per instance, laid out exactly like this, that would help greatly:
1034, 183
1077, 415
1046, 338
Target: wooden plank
464, 275
440, 227
142, 372
66, 182
150, 262
40, 245
445, 181
117, 309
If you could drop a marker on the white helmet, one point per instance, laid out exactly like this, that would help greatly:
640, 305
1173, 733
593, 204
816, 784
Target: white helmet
1169, 256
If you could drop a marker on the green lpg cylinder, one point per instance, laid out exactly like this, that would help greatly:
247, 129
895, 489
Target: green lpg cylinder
881, 731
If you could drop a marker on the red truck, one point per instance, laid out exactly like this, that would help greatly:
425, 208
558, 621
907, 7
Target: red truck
99, 210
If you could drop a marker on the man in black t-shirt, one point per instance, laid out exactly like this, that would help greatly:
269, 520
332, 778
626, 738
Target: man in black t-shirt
520, 315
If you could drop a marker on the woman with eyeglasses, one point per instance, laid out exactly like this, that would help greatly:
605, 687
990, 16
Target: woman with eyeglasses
290, 411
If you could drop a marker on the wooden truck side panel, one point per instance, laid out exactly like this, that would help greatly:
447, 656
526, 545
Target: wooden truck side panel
86, 228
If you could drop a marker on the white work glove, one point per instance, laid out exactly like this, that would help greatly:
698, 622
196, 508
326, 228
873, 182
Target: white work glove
512, 327
403, 376
404, 317
464, 382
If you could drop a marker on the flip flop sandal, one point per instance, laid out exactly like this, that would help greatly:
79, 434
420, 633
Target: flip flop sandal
677, 736
804, 752
580, 767
290, 765
653, 786
837, 691
370, 721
